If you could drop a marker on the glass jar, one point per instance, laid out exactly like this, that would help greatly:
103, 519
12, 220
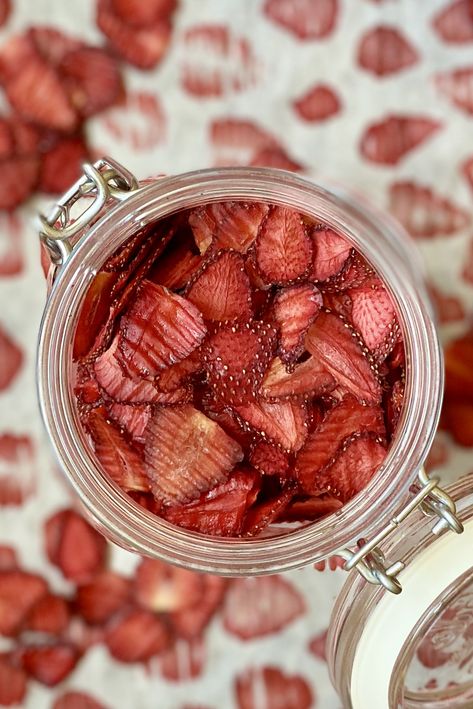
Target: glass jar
119, 208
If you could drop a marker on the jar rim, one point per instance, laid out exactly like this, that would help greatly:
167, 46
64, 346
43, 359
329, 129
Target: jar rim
114, 512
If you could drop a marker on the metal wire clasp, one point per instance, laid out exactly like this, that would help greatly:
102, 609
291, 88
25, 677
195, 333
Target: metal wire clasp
370, 561
104, 180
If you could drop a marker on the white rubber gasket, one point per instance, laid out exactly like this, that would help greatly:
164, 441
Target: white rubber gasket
393, 619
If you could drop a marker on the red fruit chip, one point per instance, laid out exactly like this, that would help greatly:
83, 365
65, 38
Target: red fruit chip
190, 622
183, 661
269, 459
312, 508
294, 310
178, 264
221, 291
94, 312
457, 418
236, 142
19, 593
390, 140
19, 177
162, 588
318, 104
220, 511
101, 598
255, 607
305, 19
384, 50
262, 515
374, 317
454, 22
332, 341
49, 664
74, 546
18, 469
283, 248
49, 615
92, 78
159, 329
13, 682
76, 700
331, 251
175, 377
136, 636
115, 455
322, 445
227, 225
133, 419
425, 213
284, 423
187, 454
307, 379
61, 164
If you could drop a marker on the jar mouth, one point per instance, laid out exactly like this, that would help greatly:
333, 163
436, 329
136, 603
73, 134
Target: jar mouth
114, 512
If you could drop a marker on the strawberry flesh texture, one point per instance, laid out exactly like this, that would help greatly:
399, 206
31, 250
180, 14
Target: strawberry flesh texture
269, 459
227, 225
374, 317
309, 378
294, 310
283, 248
331, 251
260, 516
284, 423
132, 420
94, 311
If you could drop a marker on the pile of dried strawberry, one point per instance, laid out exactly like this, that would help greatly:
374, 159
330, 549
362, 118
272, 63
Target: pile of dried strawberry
238, 365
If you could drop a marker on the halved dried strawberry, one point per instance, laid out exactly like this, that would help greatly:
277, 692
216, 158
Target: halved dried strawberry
285, 423
269, 458
159, 329
61, 164
345, 419
19, 592
49, 615
76, 700
49, 664
334, 343
92, 79
260, 516
260, 606
101, 598
221, 290
183, 661
136, 636
294, 310
311, 508
131, 418
94, 312
353, 468
236, 358
117, 457
331, 251
161, 588
74, 546
190, 622
283, 247
187, 454
220, 511
227, 225
13, 681
307, 379
373, 315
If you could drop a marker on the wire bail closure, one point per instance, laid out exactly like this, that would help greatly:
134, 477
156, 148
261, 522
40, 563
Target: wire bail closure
370, 561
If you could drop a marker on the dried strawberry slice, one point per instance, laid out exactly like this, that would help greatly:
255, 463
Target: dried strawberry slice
19, 592
283, 247
94, 312
13, 681
334, 343
161, 588
331, 250
139, 14
19, 177
184, 661
227, 225
221, 290
373, 315
358, 461
49, 664
61, 164
136, 636
236, 358
309, 378
115, 455
49, 615
459, 373
187, 454
284, 423
355, 272
294, 310
76, 700
393, 406
260, 516
101, 598
269, 458
190, 622
457, 418
177, 375
311, 508
92, 79
322, 445
179, 262
159, 329
338, 302
130, 418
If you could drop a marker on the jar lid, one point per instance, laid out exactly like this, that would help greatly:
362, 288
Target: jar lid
415, 649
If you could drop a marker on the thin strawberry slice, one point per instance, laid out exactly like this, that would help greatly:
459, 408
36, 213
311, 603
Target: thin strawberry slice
218, 411
334, 343
94, 312
19, 177
338, 302
310, 378
74, 546
308, 20
49, 615
331, 251
390, 140
260, 516
454, 22
76, 700
61, 164
11, 360
269, 686
236, 359
190, 622
458, 369
219, 512
184, 661
187, 454
283, 248
8, 558
173, 378
136, 636
255, 607
159, 329
221, 290
137, 14
319, 103
312, 508
115, 455
101, 598
19, 592
457, 418
352, 470
384, 50
284, 423
294, 310
227, 225
132, 419
162, 588
92, 78
322, 445
424, 212
373, 315
355, 272
269, 458
49, 664
178, 263
13, 682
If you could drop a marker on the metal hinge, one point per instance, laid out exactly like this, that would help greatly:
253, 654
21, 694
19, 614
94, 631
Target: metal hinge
370, 561
102, 181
